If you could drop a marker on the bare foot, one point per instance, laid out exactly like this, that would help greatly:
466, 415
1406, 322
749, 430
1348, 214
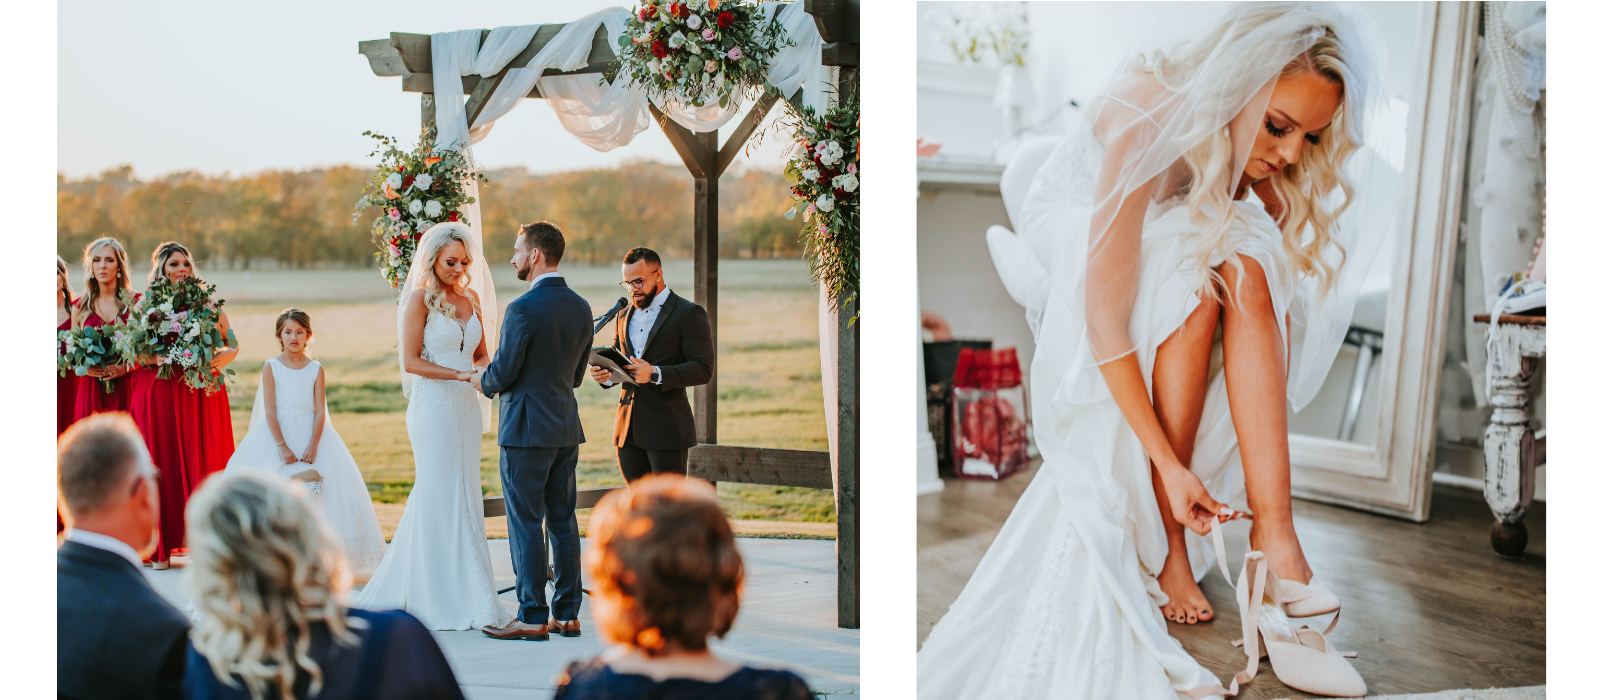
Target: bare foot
1186, 604
1282, 547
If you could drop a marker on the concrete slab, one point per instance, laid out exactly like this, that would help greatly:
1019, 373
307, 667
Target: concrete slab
787, 620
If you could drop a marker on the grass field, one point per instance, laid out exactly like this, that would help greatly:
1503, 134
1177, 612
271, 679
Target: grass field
768, 369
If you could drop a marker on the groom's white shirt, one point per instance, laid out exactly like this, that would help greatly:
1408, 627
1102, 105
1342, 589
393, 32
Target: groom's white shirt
107, 543
540, 277
639, 324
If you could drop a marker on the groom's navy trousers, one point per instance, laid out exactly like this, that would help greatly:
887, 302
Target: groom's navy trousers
541, 484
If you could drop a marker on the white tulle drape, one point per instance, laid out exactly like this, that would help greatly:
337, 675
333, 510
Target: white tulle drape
603, 115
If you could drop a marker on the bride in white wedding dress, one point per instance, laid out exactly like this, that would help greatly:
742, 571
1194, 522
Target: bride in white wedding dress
437, 567
1139, 238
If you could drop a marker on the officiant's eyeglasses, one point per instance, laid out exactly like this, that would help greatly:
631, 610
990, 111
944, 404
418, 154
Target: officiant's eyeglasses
632, 284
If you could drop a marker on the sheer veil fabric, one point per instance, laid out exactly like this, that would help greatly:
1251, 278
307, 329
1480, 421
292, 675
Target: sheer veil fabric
1065, 602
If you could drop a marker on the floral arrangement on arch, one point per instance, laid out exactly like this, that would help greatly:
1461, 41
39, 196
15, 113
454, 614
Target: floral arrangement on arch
824, 173
177, 323
699, 51
412, 190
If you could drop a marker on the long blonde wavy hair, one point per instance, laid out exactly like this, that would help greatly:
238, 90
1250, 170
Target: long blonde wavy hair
263, 567
1308, 224
91, 286
434, 296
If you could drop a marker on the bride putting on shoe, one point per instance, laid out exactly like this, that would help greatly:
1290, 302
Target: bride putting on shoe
1209, 186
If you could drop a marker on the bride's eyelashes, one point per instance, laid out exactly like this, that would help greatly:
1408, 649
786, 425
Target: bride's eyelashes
1280, 132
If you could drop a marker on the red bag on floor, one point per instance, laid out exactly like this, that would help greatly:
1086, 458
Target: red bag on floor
990, 436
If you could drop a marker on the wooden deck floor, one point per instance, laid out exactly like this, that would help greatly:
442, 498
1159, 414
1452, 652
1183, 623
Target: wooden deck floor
1429, 606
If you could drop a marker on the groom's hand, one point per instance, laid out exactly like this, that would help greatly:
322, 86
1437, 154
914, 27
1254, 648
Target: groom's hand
641, 371
477, 381
600, 374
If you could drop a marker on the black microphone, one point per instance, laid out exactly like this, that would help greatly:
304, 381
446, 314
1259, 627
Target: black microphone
607, 316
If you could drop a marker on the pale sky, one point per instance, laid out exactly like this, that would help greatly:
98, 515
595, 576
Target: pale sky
243, 87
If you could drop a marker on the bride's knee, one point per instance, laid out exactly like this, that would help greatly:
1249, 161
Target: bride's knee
1244, 284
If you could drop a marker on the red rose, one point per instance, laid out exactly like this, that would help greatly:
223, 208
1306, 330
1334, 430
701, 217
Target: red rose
724, 19
644, 13
455, 216
407, 182
659, 48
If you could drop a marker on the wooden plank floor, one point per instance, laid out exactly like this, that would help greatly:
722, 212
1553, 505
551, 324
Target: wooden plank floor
1429, 606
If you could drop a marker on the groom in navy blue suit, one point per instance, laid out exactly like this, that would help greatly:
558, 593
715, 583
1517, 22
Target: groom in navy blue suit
544, 346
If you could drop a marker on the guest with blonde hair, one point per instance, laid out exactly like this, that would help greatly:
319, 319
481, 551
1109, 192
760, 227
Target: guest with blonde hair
108, 299
116, 637
269, 581
667, 577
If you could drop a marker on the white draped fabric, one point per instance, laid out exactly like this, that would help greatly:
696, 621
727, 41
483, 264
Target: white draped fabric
602, 115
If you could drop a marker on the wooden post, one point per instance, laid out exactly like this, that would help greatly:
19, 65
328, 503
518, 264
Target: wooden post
705, 281
847, 500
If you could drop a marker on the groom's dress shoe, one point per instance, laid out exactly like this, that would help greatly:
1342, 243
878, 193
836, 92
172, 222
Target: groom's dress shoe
518, 630
566, 629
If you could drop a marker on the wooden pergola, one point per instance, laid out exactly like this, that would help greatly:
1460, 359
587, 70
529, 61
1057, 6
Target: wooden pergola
409, 57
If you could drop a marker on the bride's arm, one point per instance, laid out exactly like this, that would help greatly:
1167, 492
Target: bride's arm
416, 315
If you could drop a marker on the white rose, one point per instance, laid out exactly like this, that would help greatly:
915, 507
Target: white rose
825, 202
654, 65
395, 181
826, 157
433, 208
693, 21
696, 5
166, 308
416, 206
694, 48
850, 182
423, 181
809, 175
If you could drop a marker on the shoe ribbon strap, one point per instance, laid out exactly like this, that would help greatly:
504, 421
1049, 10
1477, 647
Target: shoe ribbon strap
1249, 599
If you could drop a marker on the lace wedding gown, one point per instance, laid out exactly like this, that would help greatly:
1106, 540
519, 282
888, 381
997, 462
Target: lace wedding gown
437, 567
342, 494
1065, 603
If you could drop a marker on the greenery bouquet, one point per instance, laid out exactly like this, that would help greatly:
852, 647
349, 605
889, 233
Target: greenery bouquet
413, 190
699, 52
85, 348
177, 323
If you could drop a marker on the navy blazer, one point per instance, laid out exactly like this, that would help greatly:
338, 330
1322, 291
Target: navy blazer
396, 658
116, 637
679, 343
544, 350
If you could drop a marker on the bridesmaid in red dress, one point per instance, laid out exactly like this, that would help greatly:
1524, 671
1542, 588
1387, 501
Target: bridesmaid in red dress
66, 386
190, 434
107, 299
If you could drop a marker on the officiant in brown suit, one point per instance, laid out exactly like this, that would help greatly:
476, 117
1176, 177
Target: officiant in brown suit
668, 338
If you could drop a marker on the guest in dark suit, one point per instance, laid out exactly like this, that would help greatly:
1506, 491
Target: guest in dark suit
669, 339
115, 636
667, 577
544, 346
267, 579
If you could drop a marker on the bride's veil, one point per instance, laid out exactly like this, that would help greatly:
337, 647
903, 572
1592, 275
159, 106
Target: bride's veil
421, 275
1160, 106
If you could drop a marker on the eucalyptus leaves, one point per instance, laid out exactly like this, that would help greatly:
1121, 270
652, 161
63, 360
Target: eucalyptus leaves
825, 181
699, 52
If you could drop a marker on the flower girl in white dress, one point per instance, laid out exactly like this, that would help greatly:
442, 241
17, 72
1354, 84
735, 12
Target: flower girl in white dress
296, 441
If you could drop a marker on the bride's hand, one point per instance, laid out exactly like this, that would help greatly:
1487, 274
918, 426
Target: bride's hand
1191, 504
286, 454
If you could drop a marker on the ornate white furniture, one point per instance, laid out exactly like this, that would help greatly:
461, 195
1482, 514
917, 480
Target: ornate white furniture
1510, 449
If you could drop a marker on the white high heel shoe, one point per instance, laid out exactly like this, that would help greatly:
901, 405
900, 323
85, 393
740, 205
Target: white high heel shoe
1302, 658
1299, 599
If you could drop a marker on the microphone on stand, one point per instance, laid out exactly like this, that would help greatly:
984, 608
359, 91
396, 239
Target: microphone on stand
607, 316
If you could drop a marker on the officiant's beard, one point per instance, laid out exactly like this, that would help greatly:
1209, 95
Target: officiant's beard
644, 302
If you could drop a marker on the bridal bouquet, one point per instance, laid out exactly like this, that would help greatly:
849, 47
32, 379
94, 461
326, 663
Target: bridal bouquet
825, 182
82, 349
413, 190
177, 324
699, 52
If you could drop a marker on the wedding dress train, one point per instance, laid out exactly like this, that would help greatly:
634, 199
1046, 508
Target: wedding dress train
437, 567
1065, 602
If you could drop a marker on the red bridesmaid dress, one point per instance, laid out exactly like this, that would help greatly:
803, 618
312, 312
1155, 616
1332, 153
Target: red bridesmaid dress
66, 407
92, 395
167, 412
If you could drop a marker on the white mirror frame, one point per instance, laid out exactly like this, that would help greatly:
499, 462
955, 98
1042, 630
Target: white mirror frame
1394, 477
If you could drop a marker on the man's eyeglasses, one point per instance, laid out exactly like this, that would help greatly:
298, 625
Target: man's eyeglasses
632, 284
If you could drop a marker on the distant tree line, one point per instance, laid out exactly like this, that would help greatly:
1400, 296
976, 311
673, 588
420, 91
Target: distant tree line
281, 218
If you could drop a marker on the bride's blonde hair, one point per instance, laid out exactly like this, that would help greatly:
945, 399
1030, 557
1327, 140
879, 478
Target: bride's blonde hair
1308, 226
263, 567
433, 295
